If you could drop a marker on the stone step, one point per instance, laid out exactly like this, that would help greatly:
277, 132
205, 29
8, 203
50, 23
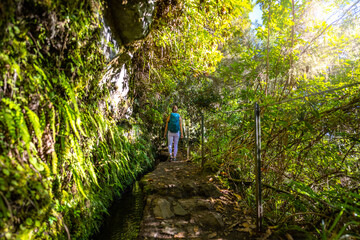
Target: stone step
183, 203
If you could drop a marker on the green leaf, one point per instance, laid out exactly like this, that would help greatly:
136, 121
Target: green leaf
6, 172
39, 166
29, 221
38, 69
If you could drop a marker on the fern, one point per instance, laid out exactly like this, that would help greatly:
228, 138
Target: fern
54, 158
24, 132
99, 129
92, 173
54, 162
20, 122
66, 131
52, 123
112, 135
78, 124
42, 120
78, 182
69, 91
9, 122
79, 157
70, 119
34, 119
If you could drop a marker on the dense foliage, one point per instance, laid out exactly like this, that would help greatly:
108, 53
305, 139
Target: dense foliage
185, 43
310, 145
302, 66
63, 156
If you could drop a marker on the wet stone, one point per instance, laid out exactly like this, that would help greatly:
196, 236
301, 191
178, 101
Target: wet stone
162, 209
195, 203
179, 210
208, 219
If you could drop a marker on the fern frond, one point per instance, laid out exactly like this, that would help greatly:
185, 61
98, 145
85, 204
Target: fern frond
34, 119
42, 121
24, 132
52, 123
112, 135
92, 173
69, 91
96, 126
9, 122
78, 183
20, 122
70, 119
54, 162
78, 124
79, 157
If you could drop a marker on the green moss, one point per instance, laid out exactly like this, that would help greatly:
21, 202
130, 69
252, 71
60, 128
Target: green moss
62, 158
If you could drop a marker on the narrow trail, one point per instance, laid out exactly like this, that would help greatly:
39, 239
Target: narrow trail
181, 202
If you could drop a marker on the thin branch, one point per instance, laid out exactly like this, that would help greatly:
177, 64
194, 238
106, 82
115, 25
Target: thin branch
322, 31
298, 98
8, 205
347, 153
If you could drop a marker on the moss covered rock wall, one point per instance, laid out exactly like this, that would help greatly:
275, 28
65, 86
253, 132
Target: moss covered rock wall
62, 157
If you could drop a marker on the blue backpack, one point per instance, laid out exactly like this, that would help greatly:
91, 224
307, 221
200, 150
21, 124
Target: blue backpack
174, 123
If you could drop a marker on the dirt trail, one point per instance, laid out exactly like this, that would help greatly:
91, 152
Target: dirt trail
184, 203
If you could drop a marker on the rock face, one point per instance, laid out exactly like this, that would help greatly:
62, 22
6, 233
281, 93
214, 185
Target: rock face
181, 203
129, 20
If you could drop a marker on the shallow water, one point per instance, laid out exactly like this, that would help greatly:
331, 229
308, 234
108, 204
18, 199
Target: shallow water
123, 223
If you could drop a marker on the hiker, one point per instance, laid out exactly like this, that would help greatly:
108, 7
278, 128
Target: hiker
173, 128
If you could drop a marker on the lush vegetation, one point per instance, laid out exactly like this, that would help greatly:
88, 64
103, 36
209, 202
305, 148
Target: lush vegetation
64, 154
302, 66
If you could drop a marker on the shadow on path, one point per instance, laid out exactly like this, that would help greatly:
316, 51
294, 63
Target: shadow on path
181, 202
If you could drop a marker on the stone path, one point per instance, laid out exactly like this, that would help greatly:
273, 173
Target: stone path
183, 203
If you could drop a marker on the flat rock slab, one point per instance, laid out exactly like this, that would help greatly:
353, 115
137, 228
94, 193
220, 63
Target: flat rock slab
183, 203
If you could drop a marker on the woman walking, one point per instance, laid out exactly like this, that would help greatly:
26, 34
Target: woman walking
173, 129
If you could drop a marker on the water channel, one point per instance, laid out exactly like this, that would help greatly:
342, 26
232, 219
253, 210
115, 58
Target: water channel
125, 214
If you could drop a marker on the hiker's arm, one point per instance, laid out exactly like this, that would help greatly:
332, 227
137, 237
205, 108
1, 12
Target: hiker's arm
166, 126
181, 129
